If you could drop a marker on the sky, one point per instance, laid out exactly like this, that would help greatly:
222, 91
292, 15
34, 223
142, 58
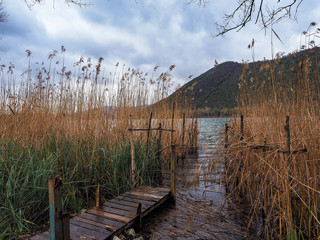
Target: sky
142, 34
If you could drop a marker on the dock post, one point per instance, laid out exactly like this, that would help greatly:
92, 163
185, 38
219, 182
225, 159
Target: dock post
159, 175
226, 146
173, 173
183, 132
241, 127
133, 163
98, 197
288, 140
59, 223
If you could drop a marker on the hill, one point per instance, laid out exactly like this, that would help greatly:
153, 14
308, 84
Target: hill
215, 92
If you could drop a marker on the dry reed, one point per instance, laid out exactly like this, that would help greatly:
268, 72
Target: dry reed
282, 189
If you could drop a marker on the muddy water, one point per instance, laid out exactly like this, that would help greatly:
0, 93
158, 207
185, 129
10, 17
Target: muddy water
202, 210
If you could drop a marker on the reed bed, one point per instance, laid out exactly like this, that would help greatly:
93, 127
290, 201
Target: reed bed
279, 182
74, 123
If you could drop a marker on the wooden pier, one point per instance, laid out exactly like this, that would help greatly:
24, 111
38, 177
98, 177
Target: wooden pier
115, 215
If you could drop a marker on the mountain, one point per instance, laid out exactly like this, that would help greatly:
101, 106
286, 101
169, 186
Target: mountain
215, 92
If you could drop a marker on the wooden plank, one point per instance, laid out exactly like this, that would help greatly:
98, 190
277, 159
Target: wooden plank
98, 224
110, 215
119, 212
86, 224
150, 209
150, 195
86, 232
142, 197
110, 224
115, 215
152, 189
41, 236
121, 206
124, 202
81, 236
134, 200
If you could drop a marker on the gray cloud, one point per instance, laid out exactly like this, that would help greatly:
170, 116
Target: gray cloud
141, 35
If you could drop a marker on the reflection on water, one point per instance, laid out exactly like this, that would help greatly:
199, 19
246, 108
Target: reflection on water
193, 175
202, 210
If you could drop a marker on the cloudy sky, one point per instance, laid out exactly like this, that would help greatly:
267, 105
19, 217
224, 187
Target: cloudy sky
142, 34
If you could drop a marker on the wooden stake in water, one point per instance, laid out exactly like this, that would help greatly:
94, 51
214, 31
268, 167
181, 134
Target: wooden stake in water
287, 129
173, 173
226, 144
98, 197
183, 132
172, 122
241, 127
149, 127
133, 163
159, 177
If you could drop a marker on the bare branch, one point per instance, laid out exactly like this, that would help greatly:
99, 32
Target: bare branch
246, 10
80, 3
3, 14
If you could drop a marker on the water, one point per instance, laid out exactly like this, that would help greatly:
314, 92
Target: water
202, 209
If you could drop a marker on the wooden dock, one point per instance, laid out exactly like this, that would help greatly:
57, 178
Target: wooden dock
115, 215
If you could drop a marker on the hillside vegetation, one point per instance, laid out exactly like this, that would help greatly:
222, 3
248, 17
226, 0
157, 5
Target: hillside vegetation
216, 91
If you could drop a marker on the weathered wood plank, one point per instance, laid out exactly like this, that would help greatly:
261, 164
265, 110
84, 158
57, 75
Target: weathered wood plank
150, 195
135, 200
119, 212
150, 209
81, 236
141, 197
121, 206
85, 224
98, 224
152, 189
110, 215
42, 236
86, 232
127, 203
115, 215
110, 225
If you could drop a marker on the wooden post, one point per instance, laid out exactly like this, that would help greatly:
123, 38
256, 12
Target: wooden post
98, 196
172, 122
195, 139
173, 173
149, 127
226, 162
55, 208
287, 129
148, 135
66, 226
183, 132
159, 142
133, 163
139, 217
226, 145
241, 127
159, 177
